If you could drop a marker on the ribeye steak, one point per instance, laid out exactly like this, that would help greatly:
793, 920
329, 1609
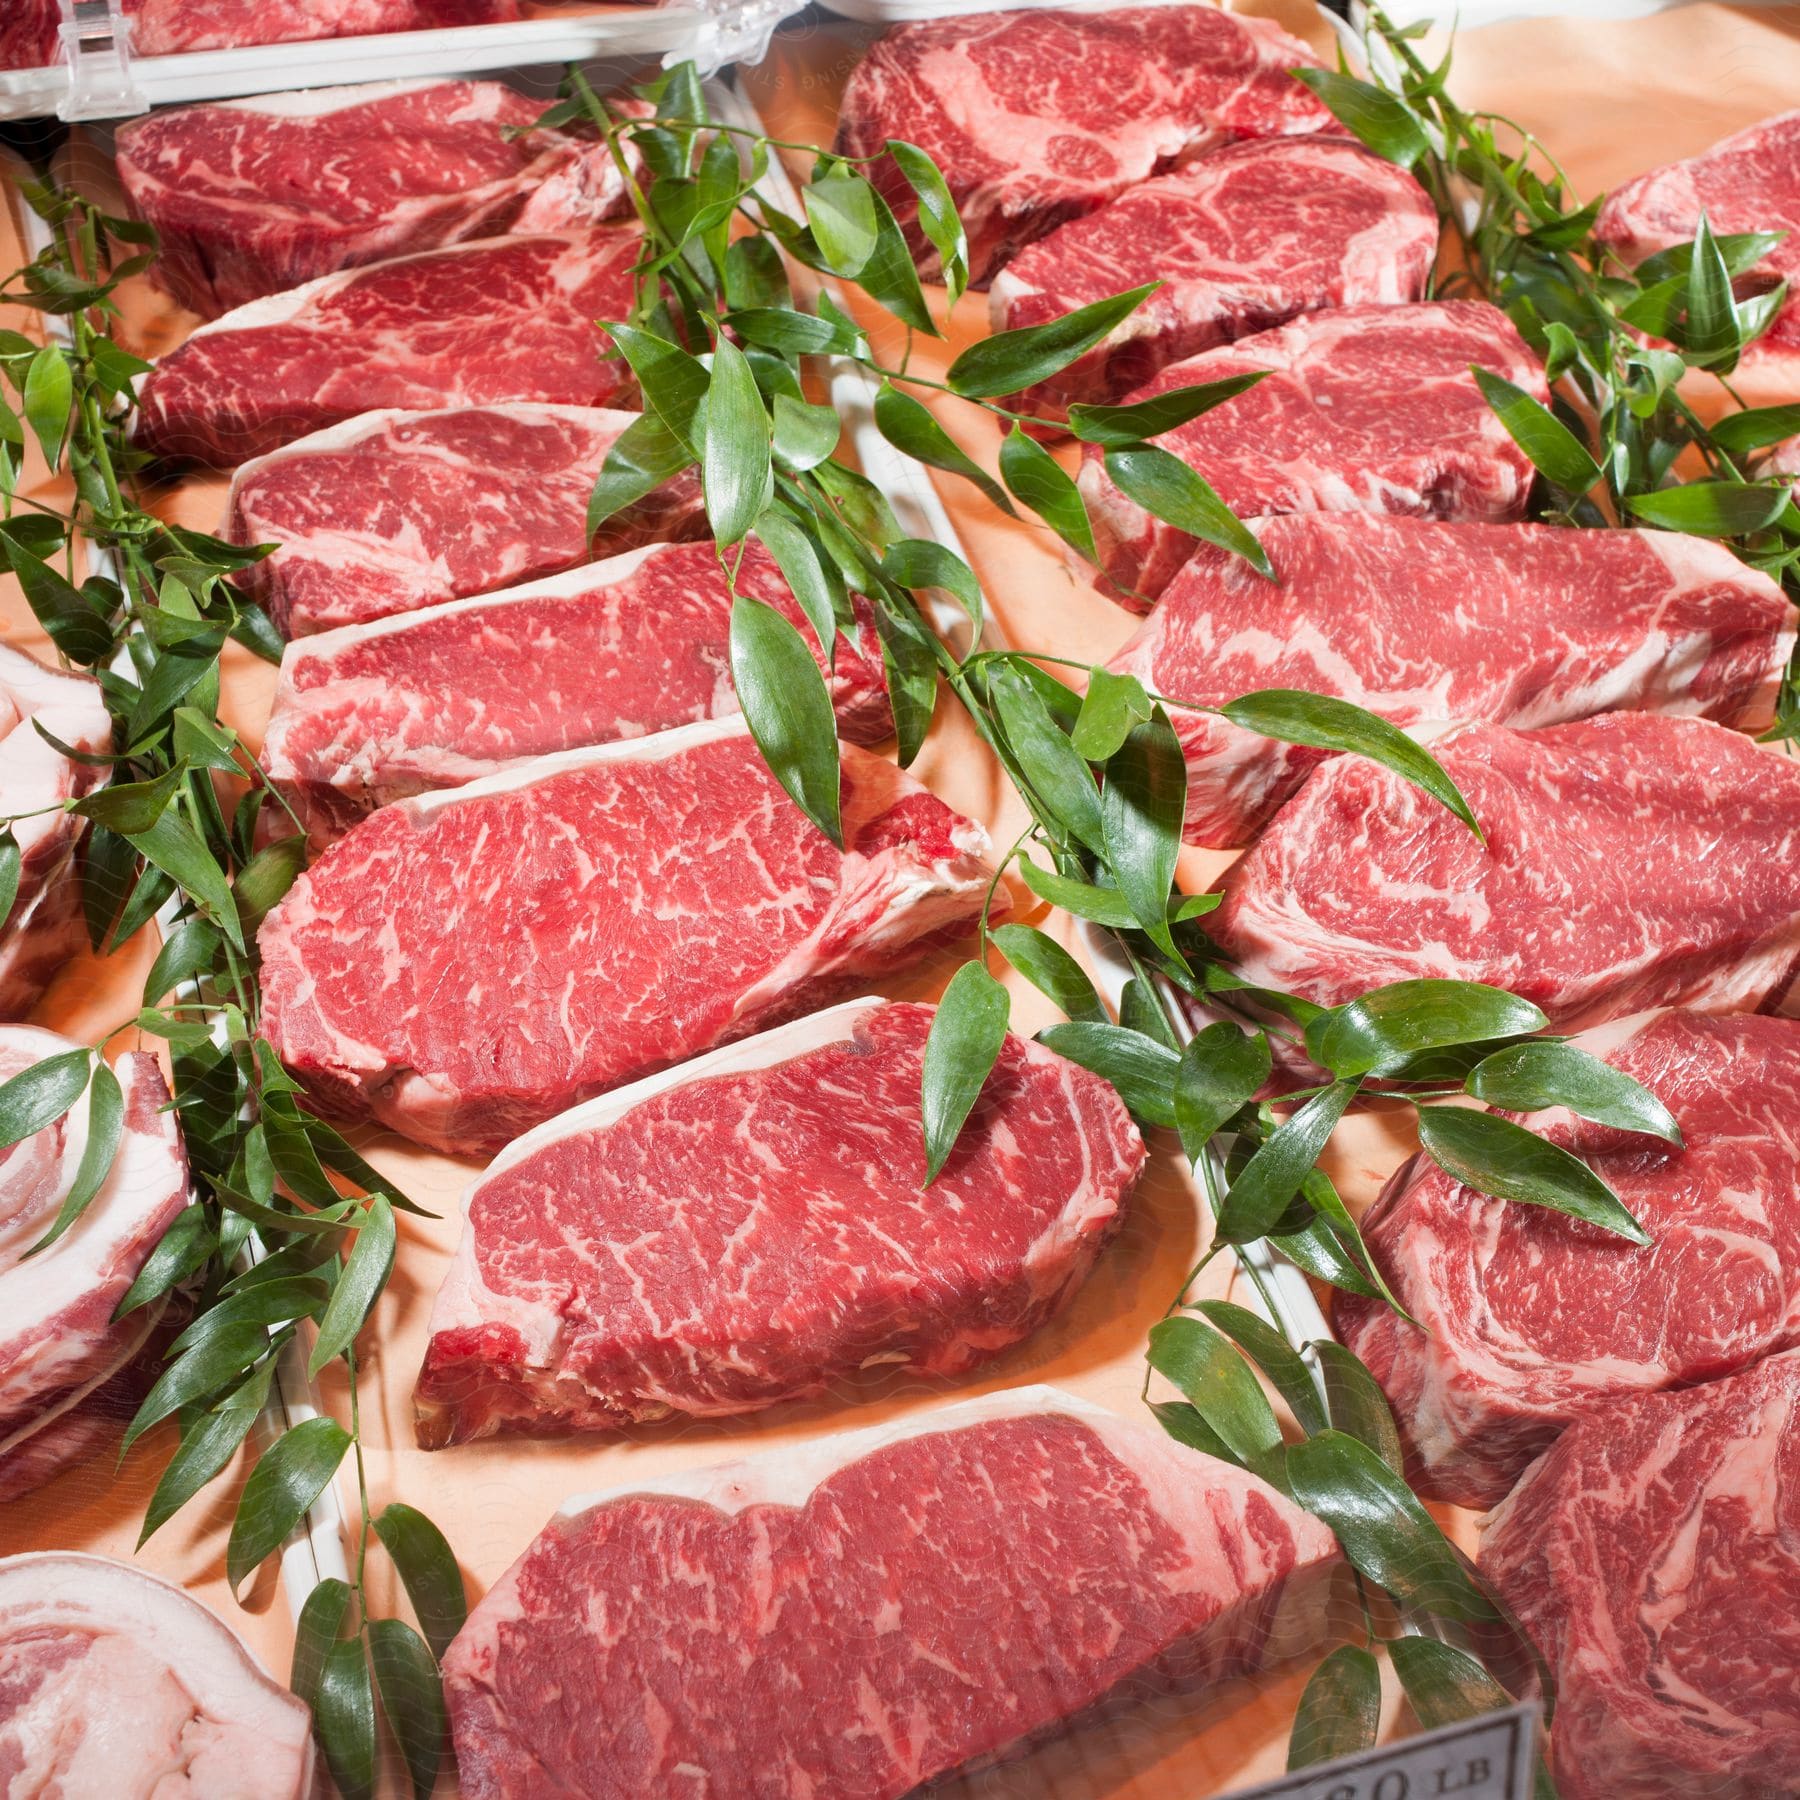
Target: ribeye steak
395, 510
495, 319
1521, 625
466, 964
111, 1679
1243, 239
755, 1226
808, 1622
1529, 1321
43, 928
1363, 409
1654, 1557
59, 1344
1631, 861
250, 197
1038, 116
438, 698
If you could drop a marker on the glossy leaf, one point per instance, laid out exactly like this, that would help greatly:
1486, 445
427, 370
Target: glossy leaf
1058, 775
1527, 1077
965, 1038
937, 214
910, 426
1755, 428
1553, 449
1204, 1366
344, 1719
1104, 906
179, 1252
173, 846
1340, 1710
49, 394
890, 277
1379, 1030
1713, 508
1164, 485
365, 1274
412, 1697
673, 383
1035, 478
1124, 427
1112, 706
1142, 807
799, 563
804, 434
788, 708
840, 207
39, 1095
1443, 1684
105, 1126
1184, 1424
289, 1476
1221, 1071
1378, 118
734, 464
320, 1623
428, 1570
1268, 1183
1007, 362
1710, 334
1274, 1355
644, 456
1051, 970
12, 865
208, 1443
1356, 1404
1141, 1069
919, 563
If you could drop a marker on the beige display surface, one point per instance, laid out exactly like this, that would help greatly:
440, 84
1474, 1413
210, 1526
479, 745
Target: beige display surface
1611, 99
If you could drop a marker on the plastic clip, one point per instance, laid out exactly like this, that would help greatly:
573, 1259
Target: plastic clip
737, 31
97, 51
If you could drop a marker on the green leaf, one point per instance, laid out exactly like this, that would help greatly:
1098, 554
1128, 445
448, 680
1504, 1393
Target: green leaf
49, 393
1494, 1156
172, 845
1528, 1077
1274, 1355
1184, 1424
909, 663
208, 1443
1112, 706
890, 277
1201, 1362
938, 217
1328, 723
1356, 1404
1164, 485
1221, 1071
344, 1719
217, 1359
673, 383
1378, 118
788, 707
1718, 509
12, 865
1554, 450
1035, 477
1268, 1183
1710, 333
1376, 1032
800, 567
790, 332
754, 276
1385, 1532
1142, 1070
181, 1250
265, 879
289, 1476
412, 1696
965, 1038
365, 1274
1444, 1684
1105, 906
1340, 1710
641, 458
910, 426
1008, 362
1142, 807
804, 435
1755, 428
1741, 250
840, 207
78, 628
105, 1126
1140, 1010
428, 1571
735, 462
40, 1095
321, 1620
1059, 777
134, 806
1051, 970
919, 563
1125, 427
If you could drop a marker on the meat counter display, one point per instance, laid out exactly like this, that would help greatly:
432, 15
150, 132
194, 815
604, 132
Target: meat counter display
756, 839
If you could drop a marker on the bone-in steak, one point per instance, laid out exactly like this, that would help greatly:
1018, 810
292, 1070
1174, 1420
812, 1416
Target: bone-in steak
756, 1226
1364, 409
1652, 1555
1241, 240
1529, 1321
395, 510
1039, 116
1521, 625
1631, 861
253, 196
466, 964
864, 1614
438, 698
496, 319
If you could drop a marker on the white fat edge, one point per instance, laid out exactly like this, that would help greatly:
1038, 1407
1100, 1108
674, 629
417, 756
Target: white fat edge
99, 1594
310, 103
1694, 562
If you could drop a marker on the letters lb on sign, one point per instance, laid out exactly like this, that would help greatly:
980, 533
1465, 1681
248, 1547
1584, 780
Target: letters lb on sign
1489, 1758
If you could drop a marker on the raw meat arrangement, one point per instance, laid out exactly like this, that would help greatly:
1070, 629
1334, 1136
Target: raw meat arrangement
1651, 1555
107, 1668
464, 965
1023, 147
1529, 1321
1748, 182
1520, 625
1364, 409
756, 1226
43, 928
396, 510
496, 319
250, 197
67, 1384
1243, 239
438, 698
839, 1571
1631, 861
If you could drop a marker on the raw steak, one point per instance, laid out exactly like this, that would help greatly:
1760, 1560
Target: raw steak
1749, 181
466, 964
1631, 861
860, 1615
58, 1343
253, 196
1530, 1322
43, 929
435, 699
161, 27
396, 510
1243, 239
496, 319
1035, 117
1368, 409
755, 1226
1652, 1557
1520, 625
113, 1683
